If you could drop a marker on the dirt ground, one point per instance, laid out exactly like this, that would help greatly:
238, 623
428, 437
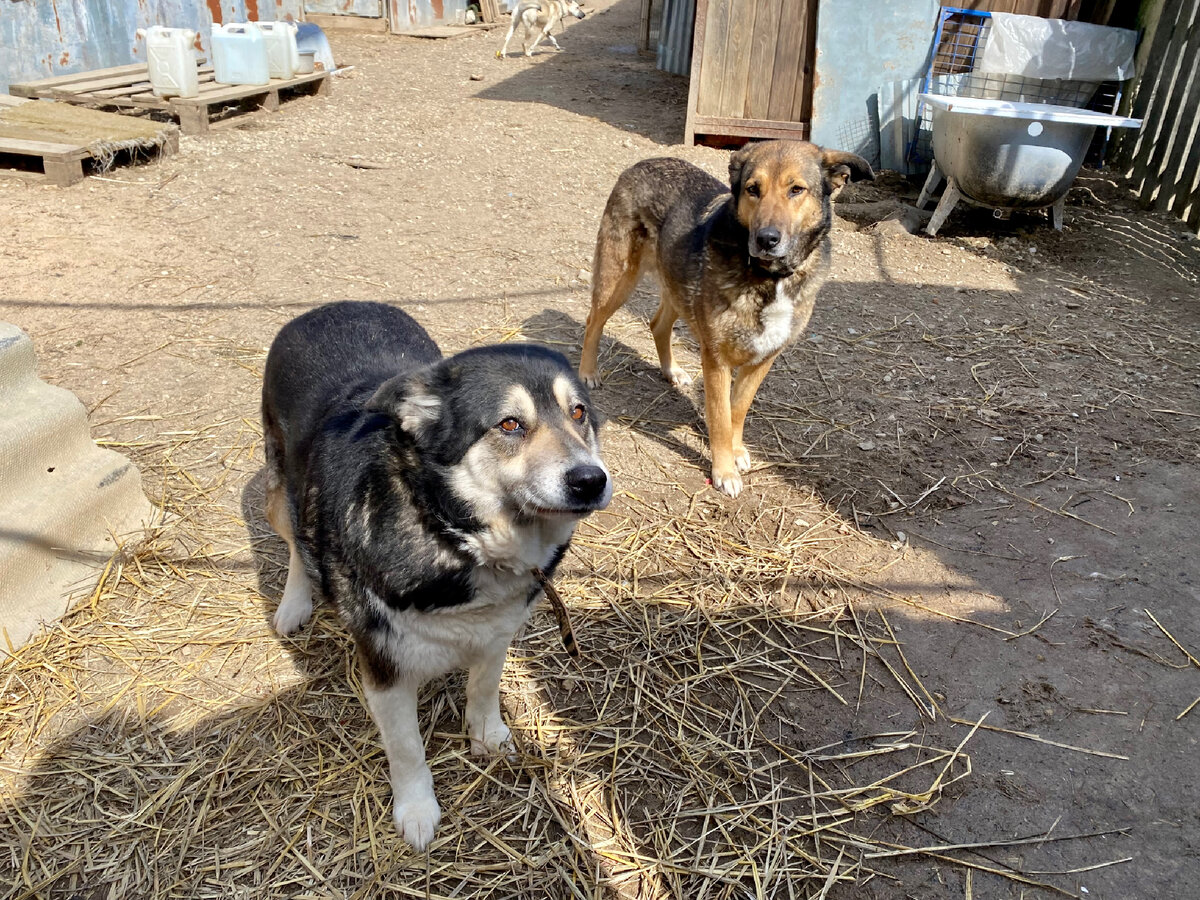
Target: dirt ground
975, 500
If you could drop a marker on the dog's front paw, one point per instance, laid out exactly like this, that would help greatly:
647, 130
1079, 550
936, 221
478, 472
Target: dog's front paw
727, 482
417, 814
677, 377
591, 379
494, 739
295, 609
741, 459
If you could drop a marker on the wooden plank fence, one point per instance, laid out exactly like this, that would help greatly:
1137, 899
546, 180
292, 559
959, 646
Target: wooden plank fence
1163, 157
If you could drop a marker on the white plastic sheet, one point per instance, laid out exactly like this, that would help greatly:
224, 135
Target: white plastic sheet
1056, 48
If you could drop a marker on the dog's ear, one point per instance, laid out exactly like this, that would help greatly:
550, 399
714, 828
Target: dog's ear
737, 163
408, 400
841, 167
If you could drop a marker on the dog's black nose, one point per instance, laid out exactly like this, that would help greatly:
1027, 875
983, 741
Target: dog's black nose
768, 238
586, 483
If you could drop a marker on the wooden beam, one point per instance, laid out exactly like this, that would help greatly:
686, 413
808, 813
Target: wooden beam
20, 90
349, 23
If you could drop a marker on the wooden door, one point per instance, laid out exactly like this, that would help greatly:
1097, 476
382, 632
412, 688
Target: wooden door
752, 69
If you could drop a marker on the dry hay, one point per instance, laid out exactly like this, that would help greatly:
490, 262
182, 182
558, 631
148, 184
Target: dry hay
161, 742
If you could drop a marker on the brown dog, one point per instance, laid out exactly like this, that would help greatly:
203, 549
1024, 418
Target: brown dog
742, 268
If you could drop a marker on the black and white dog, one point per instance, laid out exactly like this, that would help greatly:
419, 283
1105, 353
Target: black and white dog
420, 494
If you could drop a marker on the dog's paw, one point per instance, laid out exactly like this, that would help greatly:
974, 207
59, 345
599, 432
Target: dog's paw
493, 740
677, 377
741, 459
727, 482
416, 813
295, 609
591, 379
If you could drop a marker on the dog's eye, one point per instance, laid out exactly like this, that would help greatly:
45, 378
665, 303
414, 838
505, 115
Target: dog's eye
753, 190
578, 412
795, 190
511, 426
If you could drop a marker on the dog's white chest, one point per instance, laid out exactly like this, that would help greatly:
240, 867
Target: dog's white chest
439, 640
427, 644
775, 325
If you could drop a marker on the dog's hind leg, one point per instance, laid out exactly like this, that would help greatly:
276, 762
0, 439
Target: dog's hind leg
415, 808
528, 22
545, 32
296, 606
485, 725
661, 325
615, 272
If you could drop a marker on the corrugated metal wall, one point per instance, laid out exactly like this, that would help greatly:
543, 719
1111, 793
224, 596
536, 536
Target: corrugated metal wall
675, 36
368, 9
406, 15
40, 38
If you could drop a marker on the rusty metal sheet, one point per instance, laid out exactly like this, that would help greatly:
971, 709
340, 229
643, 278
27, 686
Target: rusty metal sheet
407, 15
371, 9
59, 37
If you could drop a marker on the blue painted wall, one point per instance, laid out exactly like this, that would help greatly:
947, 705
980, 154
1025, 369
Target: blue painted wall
861, 46
41, 38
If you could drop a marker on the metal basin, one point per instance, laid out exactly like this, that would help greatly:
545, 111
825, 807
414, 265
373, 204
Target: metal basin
1009, 155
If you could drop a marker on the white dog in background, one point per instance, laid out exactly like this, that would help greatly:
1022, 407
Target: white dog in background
543, 14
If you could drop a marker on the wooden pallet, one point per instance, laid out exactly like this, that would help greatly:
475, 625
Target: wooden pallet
62, 163
128, 87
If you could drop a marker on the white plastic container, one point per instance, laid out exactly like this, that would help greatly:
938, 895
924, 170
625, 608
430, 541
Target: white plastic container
283, 56
239, 54
171, 56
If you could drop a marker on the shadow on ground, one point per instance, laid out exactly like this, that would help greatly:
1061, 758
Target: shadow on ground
592, 73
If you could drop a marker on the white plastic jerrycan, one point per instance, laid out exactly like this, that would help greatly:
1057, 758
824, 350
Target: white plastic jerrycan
171, 56
283, 56
239, 54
